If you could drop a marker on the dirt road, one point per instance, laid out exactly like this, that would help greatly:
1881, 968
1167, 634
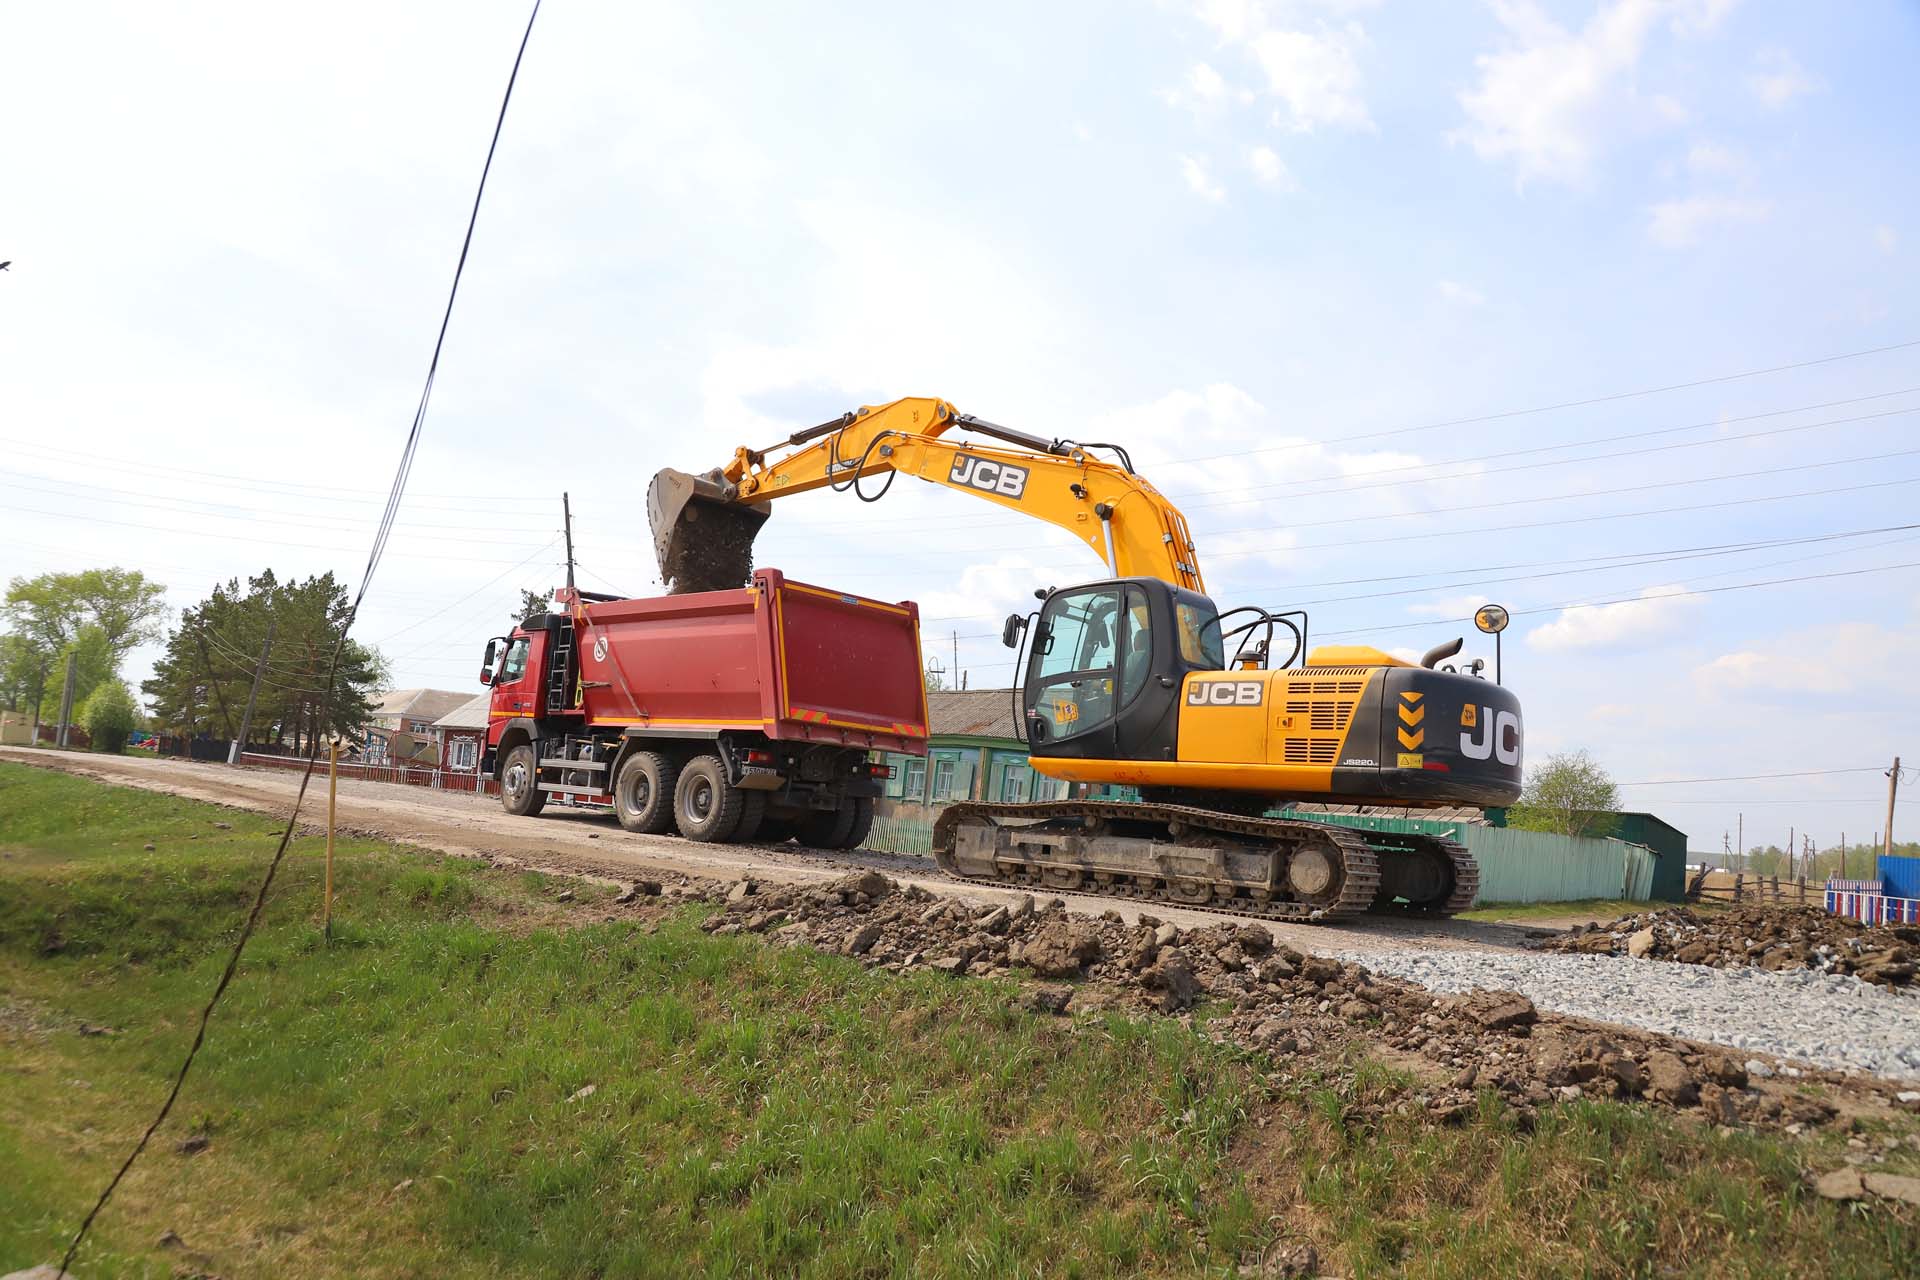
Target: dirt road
578, 842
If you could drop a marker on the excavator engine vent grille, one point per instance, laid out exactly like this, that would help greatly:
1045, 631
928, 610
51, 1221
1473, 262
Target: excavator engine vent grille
1312, 750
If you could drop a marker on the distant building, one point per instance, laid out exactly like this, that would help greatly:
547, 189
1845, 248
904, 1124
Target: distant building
400, 730
463, 734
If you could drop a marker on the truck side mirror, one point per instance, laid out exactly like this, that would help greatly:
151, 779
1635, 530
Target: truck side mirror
486, 663
1010, 631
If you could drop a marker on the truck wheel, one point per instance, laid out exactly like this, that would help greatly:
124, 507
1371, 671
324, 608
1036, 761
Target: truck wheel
643, 793
520, 792
862, 823
753, 812
826, 828
705, 806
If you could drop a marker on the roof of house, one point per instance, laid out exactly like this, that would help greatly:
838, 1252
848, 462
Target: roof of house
972, 713
418, 704
471, 714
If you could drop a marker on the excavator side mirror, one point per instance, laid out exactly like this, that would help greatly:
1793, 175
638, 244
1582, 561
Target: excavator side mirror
1011, 629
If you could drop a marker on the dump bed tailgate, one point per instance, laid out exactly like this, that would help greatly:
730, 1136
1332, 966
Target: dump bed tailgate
846, 668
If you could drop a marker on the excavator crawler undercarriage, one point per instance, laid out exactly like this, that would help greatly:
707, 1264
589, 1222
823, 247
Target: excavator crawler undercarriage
1277, 868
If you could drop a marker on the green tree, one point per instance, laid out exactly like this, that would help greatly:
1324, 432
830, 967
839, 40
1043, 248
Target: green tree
96, 615
1570, 794
201, 682
532, 605
109, 716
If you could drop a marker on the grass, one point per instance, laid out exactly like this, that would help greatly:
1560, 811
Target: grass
413, 1098
1599, 910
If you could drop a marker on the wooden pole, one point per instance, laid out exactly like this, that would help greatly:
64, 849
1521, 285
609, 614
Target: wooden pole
333, 778
253, 696
1893, 788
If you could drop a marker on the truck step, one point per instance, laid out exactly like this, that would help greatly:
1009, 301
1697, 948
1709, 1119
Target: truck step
571, 789
578, 766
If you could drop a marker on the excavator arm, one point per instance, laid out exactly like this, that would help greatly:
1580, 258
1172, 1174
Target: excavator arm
704, 526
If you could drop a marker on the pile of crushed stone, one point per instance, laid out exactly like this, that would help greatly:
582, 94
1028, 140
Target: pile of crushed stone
1773, 938
1279, 1001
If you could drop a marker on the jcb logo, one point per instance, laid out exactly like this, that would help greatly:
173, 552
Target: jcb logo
989, 476
1497, 734
1225, 693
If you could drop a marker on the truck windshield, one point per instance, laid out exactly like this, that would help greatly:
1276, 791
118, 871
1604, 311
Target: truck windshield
516, 664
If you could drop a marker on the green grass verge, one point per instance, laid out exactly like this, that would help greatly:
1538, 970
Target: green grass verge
753, 1111
1599, 910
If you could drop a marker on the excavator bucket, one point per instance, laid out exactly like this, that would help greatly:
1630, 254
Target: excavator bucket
702, 533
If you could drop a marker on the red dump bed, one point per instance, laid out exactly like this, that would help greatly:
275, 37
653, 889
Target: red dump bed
790, 660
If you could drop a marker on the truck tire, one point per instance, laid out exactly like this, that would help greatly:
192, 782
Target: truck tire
753, 812
862, 823
826, 828
706, 807
520, 793
643, 794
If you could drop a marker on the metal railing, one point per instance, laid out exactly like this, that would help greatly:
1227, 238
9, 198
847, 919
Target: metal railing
1862, 903
412, 775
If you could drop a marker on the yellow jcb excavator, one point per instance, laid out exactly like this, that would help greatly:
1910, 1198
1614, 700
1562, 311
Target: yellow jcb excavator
1128, 680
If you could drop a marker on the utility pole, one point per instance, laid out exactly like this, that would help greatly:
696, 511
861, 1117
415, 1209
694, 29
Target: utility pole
253, 694
39, 697
1893, 789
1843, 855
66, 703
1789, 853
566, 512
956, 657
1740, 829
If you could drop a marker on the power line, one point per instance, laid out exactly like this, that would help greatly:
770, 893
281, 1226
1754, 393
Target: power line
1642, 599
1751, 777
395, 495
1571, 404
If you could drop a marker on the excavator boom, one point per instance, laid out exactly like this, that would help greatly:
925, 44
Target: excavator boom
704, 526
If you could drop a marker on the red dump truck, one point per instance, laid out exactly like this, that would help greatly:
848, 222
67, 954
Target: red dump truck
726, 715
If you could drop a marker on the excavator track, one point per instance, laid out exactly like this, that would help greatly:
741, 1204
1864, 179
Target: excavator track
1185, 856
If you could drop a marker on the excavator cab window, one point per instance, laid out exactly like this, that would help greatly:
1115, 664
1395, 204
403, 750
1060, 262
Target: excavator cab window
1070, 678
1200, 641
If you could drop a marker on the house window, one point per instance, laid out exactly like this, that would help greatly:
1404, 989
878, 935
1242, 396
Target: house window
463, 753
943, 771
915, 786
1013, 783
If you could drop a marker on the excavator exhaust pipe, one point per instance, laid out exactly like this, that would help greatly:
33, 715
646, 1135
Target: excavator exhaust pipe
702, 533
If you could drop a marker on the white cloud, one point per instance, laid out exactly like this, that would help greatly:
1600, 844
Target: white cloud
1886, 239
1268, 169
1310, 63
1545, 101
1658, 611
1837, 658
1778, 79
1316, 76
1205, 91
1679, 224
1465, 295
1449, 606
1200, 181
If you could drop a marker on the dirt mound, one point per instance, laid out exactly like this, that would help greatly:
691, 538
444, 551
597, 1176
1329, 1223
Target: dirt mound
1277, 1000
1775, 938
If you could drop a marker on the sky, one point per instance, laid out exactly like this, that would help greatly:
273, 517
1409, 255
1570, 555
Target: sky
1603, 311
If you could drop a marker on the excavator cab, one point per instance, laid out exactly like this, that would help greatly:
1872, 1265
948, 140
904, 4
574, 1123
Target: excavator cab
1106, 665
